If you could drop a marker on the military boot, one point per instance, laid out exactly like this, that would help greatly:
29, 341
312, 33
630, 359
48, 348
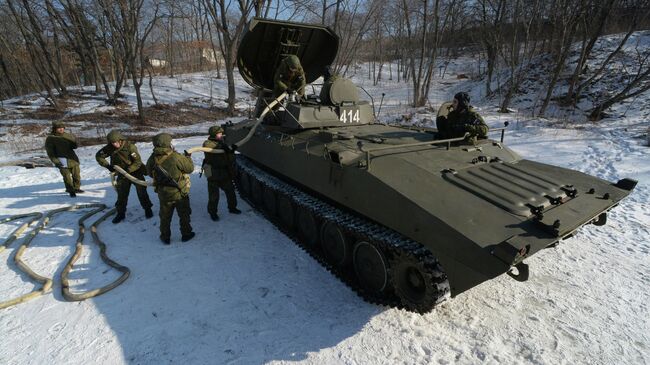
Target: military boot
234, 211
188, 237
166, 241
118, 218
148, 213
214, 216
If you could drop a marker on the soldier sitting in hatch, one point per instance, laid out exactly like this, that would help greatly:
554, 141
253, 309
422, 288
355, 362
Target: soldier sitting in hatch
462, 119
289, 77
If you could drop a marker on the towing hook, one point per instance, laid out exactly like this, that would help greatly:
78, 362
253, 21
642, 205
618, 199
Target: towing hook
522, 272
601, 220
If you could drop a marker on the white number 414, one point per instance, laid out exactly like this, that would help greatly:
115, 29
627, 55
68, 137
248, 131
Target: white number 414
349, 116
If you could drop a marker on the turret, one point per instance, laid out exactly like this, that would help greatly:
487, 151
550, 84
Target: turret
263, 47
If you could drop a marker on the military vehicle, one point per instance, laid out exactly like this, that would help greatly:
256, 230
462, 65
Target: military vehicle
402, 217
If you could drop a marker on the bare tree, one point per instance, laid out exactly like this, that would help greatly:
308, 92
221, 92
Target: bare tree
435, 20
40, 56
592, 24
126, 17
565, 17
522, 47
490, 15
635, 79
597, 72
230, 28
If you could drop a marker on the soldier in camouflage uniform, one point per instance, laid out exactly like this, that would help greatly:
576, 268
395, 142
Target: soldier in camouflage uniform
289, 77
170, 171
463, 118
125, 155
60, 148
219, 168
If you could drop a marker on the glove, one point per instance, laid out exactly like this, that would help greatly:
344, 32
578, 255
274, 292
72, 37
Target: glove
233, 147
110, 168
471, 129
187, 153
59, 165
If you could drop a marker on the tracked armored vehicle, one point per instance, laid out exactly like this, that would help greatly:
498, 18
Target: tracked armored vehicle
402, 217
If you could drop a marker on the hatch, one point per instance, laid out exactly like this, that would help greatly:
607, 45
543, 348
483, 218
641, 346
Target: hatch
513, 187
266, 42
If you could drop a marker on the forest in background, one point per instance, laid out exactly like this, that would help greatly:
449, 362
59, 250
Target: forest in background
46, 46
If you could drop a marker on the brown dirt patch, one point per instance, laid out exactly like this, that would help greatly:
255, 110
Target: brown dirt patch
161, 115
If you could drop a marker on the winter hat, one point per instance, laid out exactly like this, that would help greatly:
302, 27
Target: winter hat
214, 130
293, 62
162, 140
463, 99
58, 124
114, 136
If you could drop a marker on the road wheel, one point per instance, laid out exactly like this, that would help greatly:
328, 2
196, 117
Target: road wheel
419, 282
370, 266
336, 246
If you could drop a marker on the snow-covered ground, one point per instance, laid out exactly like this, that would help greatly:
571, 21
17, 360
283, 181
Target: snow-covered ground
242, 292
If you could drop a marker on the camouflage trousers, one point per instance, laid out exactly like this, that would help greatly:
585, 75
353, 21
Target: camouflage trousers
213, 194
71, 177
123, 187
183, 210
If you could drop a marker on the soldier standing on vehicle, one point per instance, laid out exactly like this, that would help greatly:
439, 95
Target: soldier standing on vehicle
170, 171
289, 77
462, 119
219, 168
125, 155
60, 148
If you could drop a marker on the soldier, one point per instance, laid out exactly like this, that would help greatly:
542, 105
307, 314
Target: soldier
463, 118
125, 155
60, 148
170, 170
219, 168
289, 77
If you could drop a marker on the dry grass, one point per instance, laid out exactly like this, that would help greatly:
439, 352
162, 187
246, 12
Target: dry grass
158, 117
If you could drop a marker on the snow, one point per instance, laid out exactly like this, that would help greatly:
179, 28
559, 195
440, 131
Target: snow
241, 291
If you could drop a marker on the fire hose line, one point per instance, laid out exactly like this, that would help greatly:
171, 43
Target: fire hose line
204, 149
47, 282
65, 287
18, 231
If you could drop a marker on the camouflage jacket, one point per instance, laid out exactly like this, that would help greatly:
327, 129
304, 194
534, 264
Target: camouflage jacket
176, 166
126, 157
467, 120
283, 81
222, 165
61, 145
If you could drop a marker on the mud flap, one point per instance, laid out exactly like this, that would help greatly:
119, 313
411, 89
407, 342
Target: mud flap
522, 272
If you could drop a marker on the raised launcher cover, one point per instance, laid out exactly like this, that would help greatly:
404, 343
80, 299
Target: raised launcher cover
267, 42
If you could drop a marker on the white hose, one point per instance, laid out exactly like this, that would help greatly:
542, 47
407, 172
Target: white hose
210, 150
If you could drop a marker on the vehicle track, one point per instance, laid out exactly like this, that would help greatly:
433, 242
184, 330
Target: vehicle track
393, 245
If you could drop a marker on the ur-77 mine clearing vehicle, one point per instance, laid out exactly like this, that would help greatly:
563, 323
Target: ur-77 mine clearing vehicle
402, 217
